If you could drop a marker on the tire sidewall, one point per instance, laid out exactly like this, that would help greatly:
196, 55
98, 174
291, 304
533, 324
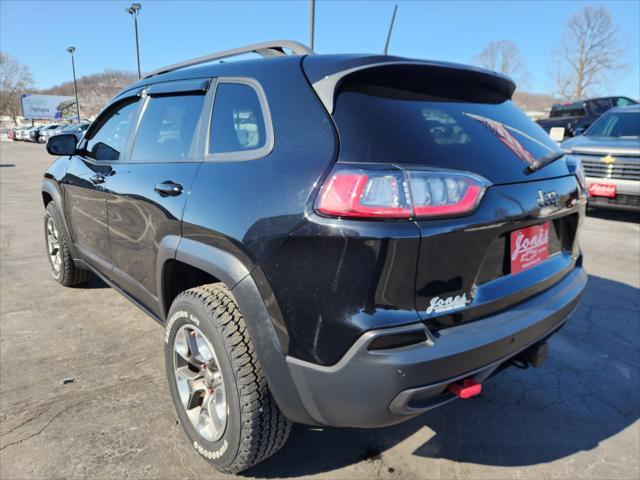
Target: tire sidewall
224, 451
52, 212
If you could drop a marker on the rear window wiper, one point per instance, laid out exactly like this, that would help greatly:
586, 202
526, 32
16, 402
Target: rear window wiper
544, 160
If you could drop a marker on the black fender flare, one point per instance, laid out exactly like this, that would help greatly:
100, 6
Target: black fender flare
231, 271
52, 188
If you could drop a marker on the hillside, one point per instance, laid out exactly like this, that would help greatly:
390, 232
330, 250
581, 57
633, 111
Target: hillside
94, 91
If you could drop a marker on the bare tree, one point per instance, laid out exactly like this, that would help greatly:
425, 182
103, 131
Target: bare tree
14, 80
590, 51
503, 56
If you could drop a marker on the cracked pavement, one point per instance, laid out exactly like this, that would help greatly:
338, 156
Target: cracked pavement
577, 417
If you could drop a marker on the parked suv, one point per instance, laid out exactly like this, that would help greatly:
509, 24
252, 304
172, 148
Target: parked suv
576, 117
339, 240
610, 153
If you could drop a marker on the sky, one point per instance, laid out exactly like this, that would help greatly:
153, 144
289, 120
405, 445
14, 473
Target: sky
37, 33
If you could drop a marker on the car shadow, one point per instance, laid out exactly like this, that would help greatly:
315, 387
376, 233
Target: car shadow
585, 393
7, 165
616, 215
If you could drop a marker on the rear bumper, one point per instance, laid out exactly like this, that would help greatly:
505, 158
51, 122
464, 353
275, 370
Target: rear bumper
377, 388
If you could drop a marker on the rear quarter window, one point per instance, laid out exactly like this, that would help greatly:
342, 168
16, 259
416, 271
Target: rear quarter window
237, 122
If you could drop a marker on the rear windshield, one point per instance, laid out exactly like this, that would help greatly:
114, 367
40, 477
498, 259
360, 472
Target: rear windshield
574, 110
383, 125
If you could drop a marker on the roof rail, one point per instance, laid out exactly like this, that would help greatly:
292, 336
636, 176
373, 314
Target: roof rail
272, 48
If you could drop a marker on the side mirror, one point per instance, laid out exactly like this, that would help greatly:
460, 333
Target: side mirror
578, 131
557, 134
62, 145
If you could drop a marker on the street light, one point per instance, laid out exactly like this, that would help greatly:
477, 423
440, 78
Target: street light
71, 51
134, 11
312, 20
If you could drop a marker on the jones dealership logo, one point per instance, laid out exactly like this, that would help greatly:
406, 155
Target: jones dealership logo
442, 305
528, 248
545, 199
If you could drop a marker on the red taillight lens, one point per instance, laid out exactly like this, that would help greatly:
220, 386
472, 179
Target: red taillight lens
399, 193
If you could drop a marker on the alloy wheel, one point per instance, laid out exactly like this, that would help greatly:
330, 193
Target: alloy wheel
199, 380
53, 245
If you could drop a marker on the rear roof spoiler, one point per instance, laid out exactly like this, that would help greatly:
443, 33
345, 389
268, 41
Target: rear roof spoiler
326, 84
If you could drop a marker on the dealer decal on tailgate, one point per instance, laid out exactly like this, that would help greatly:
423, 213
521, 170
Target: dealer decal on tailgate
529, 247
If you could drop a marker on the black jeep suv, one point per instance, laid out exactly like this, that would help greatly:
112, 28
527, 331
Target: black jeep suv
341, 240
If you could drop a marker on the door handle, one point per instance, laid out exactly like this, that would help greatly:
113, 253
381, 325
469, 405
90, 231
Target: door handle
168, 189
97, 179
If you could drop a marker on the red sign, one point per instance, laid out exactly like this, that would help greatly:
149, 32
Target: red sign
602, 190
529, 247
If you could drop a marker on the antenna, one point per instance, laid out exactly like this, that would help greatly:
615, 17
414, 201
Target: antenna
393, 19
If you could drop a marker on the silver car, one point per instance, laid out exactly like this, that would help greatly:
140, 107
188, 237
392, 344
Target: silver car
610, 153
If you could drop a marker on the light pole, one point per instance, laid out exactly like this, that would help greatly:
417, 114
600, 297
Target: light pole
313, 22
72, 50
134, 11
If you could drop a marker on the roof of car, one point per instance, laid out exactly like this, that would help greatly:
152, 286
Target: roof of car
316, 67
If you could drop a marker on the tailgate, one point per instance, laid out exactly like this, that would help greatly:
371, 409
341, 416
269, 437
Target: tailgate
465, 265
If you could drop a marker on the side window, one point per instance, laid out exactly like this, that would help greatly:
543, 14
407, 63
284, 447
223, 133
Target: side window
602, 105
167, 128
112, 137
622, 101
238, 122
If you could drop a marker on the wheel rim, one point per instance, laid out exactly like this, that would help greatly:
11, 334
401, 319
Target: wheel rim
53, 245
199, 381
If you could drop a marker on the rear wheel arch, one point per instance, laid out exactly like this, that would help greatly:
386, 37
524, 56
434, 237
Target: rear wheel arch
209, 264
46, 198
50, 192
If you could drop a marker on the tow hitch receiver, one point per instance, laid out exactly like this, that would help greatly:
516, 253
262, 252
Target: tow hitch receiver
466, 388
535, 355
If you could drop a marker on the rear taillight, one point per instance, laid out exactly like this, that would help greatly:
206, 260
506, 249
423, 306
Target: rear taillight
399, 193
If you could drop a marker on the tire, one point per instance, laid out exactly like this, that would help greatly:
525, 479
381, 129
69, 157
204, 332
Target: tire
254, 429
63, 268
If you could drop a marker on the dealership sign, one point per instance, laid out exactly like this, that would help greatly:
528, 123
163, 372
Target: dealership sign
48, 106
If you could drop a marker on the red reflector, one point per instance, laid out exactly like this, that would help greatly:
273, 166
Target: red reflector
466, 389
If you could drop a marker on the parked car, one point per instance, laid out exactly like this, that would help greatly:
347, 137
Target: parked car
610, 153
22, 134
334, 240
576, 117
13, 132
77, 129
43, 133
34, 133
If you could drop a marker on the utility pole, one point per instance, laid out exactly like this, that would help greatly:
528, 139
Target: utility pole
71, 51
134, 11
393, 19
313, 21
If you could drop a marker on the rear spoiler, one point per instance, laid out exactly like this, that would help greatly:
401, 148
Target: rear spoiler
326, 80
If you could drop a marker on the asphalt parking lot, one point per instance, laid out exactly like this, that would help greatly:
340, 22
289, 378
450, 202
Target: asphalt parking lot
578, 417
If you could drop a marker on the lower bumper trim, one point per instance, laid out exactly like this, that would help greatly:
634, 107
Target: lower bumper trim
369, 388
